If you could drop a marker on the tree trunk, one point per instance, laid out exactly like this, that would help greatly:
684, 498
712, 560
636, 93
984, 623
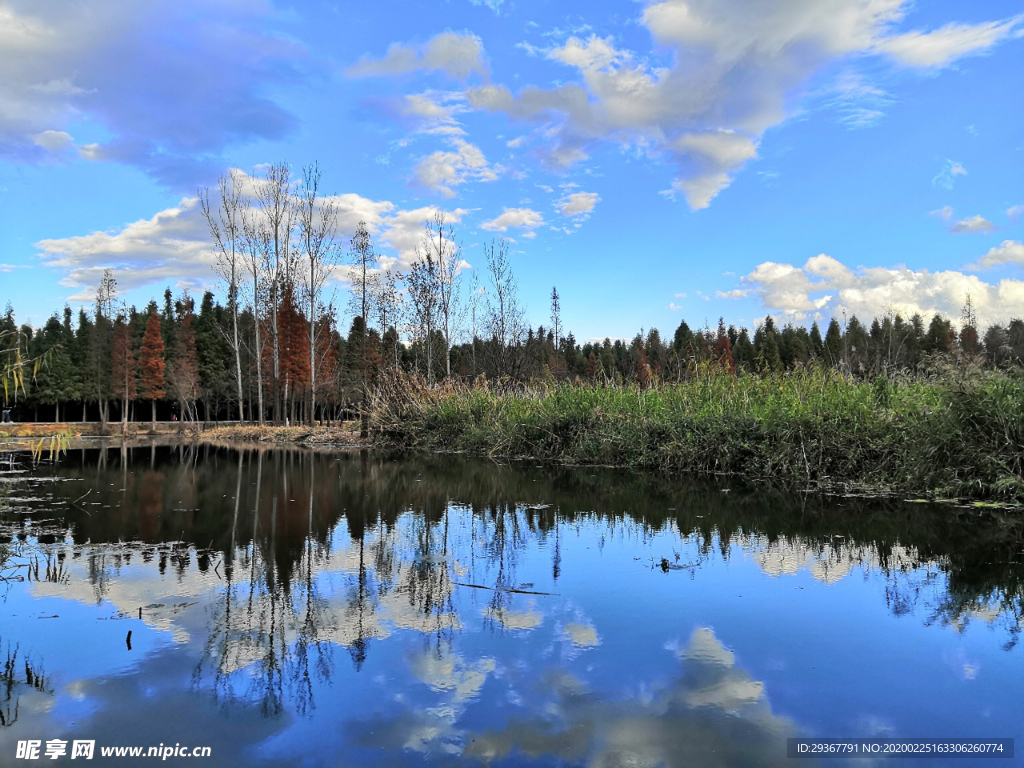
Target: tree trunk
153, 422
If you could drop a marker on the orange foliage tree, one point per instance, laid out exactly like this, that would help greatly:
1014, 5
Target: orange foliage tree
152, 363
122, 372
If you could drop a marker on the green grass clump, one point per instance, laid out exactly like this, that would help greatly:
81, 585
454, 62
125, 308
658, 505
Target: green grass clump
947, 435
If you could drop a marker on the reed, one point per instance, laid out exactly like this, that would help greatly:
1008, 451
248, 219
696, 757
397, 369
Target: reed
954, 433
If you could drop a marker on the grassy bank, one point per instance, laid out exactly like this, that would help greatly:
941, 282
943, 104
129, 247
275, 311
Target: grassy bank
343, 434
954, 434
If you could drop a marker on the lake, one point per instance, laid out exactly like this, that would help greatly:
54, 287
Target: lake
297, 607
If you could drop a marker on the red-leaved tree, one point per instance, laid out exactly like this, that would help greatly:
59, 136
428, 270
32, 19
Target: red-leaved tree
152, 363
122, 372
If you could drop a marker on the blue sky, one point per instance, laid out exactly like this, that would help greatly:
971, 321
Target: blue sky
654, 160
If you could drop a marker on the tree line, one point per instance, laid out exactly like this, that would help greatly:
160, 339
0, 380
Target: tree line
275, 350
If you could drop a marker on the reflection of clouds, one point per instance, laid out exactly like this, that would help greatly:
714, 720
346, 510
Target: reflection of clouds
582, 635
153, 704
428, 730
710, 714
450, 672
528, 619
825, 562
97, 576
728, 692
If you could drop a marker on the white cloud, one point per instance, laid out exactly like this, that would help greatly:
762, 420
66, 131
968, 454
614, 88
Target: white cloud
1007, 252
738, 293
826, 285
403, 231
734, 67
515, 218
433, 112
944, 46
972, 225
1015, 212
174, 248
578, 204
53, 141
458, 55
945, 213
64, 64
171, 247
948, 174
442, 170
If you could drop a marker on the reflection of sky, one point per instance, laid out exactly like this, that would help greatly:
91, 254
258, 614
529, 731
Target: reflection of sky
621, 664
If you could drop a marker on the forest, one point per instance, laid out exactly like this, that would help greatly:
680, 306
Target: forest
437, 355
122, 363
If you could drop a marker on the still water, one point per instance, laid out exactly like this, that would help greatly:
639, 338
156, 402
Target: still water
289, 607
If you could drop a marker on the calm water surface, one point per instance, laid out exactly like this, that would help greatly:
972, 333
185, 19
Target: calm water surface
317, 609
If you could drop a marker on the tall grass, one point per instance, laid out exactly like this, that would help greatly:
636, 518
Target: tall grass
953, 434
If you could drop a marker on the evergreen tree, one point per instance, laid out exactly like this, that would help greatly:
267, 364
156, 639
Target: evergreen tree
833, 353
766, 346
817, 344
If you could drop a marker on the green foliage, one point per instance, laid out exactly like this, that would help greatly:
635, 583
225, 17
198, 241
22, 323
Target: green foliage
947, 435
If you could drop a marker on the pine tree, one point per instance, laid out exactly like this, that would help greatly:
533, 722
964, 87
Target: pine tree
833, 343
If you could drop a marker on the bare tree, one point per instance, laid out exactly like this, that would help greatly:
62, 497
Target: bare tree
364, 281
388, 303
273, 193
226, 231
476, 293
318, 232
506, 322
439, 242
255, 246
421, 283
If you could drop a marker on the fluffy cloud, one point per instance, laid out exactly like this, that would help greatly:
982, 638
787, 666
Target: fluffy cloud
65, 63
458, 55
53, 141
945, 212
1015, 212
515, 218
825, 286
578, 204
972, 225
734, 67
1007, 252
403, 231
442, 170
174, 247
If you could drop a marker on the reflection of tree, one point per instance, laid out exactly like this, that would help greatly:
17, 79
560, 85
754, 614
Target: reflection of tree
273, 625
324, 549
18, 676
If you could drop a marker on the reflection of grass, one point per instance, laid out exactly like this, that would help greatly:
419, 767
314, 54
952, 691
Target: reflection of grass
345, 433
954, 434
12, 670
